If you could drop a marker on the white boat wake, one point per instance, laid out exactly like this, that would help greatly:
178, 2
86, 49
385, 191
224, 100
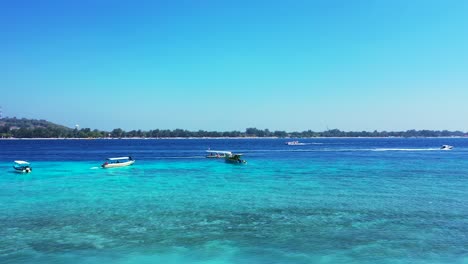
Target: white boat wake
405, 149
343, 150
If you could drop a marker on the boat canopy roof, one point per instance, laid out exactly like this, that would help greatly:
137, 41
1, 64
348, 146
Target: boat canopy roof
219, 151
119, 158
21, 162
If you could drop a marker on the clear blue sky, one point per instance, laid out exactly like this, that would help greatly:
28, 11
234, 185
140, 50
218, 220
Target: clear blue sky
224, 65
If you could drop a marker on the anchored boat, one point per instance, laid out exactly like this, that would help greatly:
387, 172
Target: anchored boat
118, 162
22, 166
235, 159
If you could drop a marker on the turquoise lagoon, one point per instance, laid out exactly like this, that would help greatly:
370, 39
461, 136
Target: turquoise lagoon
332, 201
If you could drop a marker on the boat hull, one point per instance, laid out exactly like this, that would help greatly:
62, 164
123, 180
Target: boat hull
235, 161
117, 165
24, 170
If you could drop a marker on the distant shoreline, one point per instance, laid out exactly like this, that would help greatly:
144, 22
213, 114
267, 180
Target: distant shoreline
13, 128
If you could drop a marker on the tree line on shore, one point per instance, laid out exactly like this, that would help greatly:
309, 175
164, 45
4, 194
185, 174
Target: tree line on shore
31, 128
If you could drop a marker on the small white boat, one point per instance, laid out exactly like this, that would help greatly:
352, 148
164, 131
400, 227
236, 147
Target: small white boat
118, 162
217, 154
446, 147
22, 166
295, 143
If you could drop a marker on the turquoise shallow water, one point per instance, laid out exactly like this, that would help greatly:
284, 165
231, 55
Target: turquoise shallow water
336, 201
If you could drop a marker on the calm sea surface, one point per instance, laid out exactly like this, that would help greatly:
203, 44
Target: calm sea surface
331, 201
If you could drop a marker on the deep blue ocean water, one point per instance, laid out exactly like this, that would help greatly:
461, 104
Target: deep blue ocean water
331, 201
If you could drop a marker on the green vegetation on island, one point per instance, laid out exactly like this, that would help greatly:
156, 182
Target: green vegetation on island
32, 128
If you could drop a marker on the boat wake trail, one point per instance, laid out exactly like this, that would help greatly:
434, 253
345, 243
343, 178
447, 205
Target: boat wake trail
94, 168
344, 150
405, 149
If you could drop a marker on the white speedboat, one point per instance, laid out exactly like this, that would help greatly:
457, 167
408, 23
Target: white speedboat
118, 162
22, 166
294, 143
446, 147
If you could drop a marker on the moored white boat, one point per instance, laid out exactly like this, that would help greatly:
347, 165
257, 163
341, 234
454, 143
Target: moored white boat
22, 166
118, 162
235, 159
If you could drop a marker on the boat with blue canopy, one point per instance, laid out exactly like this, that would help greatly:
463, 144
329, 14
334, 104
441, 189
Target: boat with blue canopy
235, 159
118, 162
22, 166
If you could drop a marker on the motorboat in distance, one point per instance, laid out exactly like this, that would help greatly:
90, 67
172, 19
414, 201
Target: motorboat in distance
446, 147
294, 143
235, 159
118, 162
217, 154
22, 166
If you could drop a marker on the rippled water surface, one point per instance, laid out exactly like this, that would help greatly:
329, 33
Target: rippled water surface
330, 201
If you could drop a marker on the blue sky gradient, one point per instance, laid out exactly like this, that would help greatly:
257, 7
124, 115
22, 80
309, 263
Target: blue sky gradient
225, 65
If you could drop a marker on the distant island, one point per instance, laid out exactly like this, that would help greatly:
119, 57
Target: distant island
33, 128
